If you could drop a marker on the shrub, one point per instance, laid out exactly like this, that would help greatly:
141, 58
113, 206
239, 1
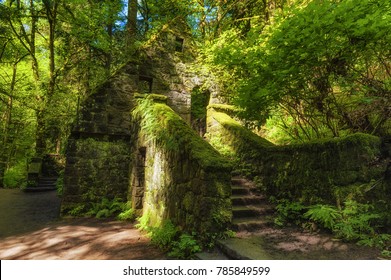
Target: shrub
15, 176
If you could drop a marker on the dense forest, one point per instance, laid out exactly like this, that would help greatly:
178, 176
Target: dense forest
291, 71
298, 70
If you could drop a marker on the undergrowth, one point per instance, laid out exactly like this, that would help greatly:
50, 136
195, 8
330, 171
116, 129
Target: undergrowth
176, 243
105, 209
15, 176
357, 222
171, 239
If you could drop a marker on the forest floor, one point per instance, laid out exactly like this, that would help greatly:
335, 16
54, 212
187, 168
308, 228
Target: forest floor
30, 228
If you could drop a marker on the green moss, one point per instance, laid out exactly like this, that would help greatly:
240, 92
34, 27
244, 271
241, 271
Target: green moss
188, 201
310, 172
228, 109
240, 133
161, 124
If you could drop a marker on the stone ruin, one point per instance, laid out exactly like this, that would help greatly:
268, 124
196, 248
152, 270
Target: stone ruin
104, 155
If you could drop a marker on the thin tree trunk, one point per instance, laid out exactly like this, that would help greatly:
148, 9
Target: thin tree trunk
132, 20
4, 157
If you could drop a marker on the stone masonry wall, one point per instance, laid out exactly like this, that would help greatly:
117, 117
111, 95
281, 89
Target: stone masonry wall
98, 152
185, 179
321, 171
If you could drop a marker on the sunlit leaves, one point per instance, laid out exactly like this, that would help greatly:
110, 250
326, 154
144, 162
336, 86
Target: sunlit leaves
311, 61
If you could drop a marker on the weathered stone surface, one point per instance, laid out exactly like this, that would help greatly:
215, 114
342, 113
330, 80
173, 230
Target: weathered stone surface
322, 171
190, 189
109, 156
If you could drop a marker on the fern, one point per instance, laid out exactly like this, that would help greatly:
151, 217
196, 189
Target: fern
185, 247
326, 215
289, 212
165, 235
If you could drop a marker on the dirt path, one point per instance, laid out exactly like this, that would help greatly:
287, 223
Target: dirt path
292, 243
30, 228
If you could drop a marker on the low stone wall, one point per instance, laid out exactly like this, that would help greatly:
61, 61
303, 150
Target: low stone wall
184, 179
321, 171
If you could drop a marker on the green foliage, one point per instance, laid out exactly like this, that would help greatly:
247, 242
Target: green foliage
159, 123
386, 254
183, 248
168, 237
289, 212
209, 239
106, 208
128, 213
326, 215
357, 221
354, 222
15, 176
325, 73
60, 183
165, 235
143, 221
78, 210
199, 103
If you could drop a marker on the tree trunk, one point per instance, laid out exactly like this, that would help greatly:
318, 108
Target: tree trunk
5, 145
132, 20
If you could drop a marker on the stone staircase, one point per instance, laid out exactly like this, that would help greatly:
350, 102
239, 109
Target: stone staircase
251, 212
43, 173
250, 209
44, 184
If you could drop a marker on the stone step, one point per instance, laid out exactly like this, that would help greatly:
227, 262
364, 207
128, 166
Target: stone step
244, 249
240, 181
39, 189
251, 210
44, 184
48, 180
215, 254
240, 191
247, 199
250, 223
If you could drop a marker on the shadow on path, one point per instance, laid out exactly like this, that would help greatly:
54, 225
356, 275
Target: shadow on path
30, 228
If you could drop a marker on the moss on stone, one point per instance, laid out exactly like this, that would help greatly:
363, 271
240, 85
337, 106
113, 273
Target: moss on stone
186, 179
310, 172
161, 124
228, 109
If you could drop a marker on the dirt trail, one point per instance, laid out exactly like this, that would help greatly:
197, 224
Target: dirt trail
30, 228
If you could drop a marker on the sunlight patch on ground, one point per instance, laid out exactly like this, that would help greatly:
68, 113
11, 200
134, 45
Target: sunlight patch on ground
83, 239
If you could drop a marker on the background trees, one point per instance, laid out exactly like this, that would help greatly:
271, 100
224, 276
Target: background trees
317, 70
312, 69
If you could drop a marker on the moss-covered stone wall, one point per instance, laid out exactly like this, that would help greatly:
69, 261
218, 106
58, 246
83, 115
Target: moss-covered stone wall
152, 159
321, 171
98, 152
186, 180
96, 169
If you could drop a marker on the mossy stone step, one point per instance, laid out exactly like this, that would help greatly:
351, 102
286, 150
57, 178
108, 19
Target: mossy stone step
39, 189
238, 181
250, 223
44, 184
216, 254
240, 191
247, 199
251, 210
244, 249
48, 180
